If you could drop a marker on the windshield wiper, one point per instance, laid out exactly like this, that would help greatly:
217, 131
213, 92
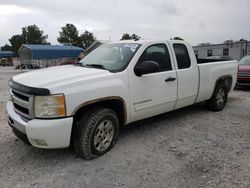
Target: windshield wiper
79, 64
98, 66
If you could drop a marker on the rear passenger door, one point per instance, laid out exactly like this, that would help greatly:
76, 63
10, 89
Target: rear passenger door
155, 93
188, 75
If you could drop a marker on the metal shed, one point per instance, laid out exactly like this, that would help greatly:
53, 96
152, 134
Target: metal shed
35, 56
6, 54
38, 52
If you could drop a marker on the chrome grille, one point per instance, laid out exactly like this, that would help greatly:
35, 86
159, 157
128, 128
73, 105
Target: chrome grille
244, 74
23, 103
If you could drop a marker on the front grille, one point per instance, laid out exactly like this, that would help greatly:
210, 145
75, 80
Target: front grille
23, 103
244, 74
21, 109
18, 95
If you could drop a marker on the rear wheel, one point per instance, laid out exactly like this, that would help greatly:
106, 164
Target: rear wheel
96, 133
219, 98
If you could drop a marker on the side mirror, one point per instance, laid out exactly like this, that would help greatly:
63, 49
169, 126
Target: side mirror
146, 67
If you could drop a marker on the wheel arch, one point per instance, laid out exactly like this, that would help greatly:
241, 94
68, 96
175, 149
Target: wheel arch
227, 80
115, 103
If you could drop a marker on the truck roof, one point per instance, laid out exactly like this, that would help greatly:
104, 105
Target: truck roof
147, 41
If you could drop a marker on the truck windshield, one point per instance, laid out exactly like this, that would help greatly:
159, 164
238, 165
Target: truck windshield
245, 61
114, 56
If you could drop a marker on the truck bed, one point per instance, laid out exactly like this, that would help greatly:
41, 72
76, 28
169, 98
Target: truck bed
210, 72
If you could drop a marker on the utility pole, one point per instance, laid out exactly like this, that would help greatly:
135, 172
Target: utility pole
25, 33
246, 47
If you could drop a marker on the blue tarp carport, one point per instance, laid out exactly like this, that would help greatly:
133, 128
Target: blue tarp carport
36, 52
6, 54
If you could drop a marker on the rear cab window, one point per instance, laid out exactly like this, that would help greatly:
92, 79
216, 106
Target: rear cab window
182, 56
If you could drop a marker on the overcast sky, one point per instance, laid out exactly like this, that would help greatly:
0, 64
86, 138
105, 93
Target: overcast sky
196, 21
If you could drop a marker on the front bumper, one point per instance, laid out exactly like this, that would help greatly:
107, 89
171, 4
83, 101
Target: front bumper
47, 133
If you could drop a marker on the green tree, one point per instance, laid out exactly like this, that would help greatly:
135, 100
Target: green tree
30, 35
135, 37
6, 47
69, 35
126, 36
16, 42
178, 38
87, 38
33, 35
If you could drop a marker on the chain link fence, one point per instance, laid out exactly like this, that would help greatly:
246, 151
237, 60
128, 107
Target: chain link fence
43, 63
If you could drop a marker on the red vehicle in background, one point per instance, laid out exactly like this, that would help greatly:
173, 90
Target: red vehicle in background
69, 62
244, 72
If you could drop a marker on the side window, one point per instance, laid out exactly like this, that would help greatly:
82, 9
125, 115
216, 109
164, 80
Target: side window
182, 56
225, 51
158, 53
209, 53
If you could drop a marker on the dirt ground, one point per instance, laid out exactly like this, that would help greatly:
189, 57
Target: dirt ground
190, 147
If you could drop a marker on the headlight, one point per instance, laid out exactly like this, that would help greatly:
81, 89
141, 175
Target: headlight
51, 106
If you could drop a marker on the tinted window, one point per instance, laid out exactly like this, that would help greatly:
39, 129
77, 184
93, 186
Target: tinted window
182, 56
158, 53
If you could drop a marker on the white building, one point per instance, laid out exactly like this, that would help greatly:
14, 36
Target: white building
235, 50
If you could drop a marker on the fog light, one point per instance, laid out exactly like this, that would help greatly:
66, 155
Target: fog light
38, 142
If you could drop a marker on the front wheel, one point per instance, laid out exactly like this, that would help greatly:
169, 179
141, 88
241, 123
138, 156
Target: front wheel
96, 133
219, 98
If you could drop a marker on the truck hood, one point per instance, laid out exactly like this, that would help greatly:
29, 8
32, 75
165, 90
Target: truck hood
51, 77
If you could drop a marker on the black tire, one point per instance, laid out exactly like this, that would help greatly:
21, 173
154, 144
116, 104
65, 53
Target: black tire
87, 131
219, 98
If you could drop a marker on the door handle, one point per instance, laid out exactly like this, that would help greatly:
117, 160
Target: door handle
170, 79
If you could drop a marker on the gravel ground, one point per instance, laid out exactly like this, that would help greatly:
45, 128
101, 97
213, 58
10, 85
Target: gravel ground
190, 147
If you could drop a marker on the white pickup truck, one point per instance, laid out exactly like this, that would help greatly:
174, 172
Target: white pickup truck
121, 82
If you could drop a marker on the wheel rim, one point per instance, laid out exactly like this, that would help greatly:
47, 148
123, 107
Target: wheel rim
220, 98
104, 135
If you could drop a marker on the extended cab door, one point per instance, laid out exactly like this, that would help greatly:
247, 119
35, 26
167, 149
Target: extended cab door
188, 74
155, 93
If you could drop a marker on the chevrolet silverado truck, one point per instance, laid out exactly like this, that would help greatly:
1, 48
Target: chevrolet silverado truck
85, 105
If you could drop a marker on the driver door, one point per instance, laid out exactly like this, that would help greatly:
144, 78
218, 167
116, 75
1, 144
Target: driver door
155, 93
